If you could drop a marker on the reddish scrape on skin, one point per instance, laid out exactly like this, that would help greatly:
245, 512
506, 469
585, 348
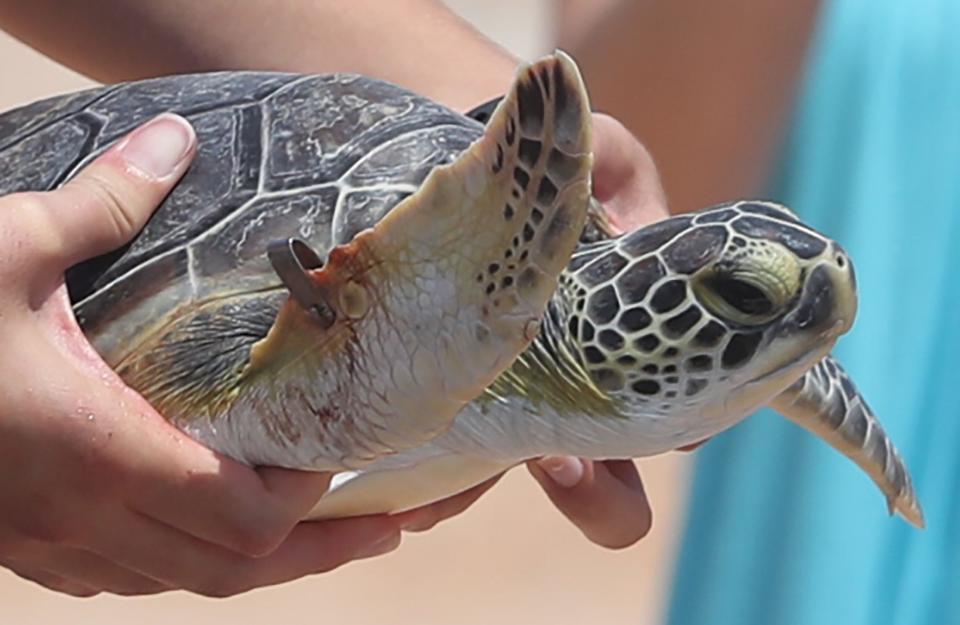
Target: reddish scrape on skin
283, 427
356, 257
326, 414
349, 262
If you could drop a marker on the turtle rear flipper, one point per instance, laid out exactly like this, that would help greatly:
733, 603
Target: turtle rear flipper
826, 402
433, 302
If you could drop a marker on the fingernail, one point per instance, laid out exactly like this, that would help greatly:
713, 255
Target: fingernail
383, 546
563, 470
158, 147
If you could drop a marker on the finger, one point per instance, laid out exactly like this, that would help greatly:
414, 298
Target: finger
163, 553
566, 471
112, 198
296, 491
92, 571
608, 504
54, 582
322, 546
223, 502
426, 517
625, 178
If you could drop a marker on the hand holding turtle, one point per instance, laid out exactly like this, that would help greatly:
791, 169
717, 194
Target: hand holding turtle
699, 244
625, 179
102, 494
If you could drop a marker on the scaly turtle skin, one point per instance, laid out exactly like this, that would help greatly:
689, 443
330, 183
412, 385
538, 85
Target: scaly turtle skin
655, 339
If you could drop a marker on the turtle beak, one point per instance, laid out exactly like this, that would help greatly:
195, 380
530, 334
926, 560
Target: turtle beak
824, 310
846, 287
828, 304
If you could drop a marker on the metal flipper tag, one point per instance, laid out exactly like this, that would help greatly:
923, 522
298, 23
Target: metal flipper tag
292, 259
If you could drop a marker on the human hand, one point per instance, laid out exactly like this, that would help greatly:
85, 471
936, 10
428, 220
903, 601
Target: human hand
100, 493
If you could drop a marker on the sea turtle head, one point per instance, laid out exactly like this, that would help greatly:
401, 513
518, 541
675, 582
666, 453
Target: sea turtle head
691, 324
723, 308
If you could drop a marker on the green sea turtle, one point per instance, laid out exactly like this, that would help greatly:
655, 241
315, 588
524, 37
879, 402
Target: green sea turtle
354, 278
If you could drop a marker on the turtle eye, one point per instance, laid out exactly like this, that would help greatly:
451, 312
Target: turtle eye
750, 287
746, 298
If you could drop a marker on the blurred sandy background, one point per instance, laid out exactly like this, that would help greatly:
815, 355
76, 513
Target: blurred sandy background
510, 559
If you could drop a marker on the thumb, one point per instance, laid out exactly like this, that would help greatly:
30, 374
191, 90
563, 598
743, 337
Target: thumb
111, 199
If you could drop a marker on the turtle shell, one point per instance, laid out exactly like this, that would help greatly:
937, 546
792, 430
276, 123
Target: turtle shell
280, 155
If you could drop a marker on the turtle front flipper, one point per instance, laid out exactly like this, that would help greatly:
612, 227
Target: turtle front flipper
425, 309
826, 402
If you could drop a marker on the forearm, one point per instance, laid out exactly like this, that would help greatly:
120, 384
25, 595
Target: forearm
419, 44
707, 86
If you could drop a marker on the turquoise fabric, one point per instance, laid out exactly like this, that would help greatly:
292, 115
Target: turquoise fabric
782, 530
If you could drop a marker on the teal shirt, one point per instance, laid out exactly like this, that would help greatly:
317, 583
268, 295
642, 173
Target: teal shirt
783, 530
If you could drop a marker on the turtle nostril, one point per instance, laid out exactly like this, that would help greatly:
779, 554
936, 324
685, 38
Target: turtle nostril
840, 258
